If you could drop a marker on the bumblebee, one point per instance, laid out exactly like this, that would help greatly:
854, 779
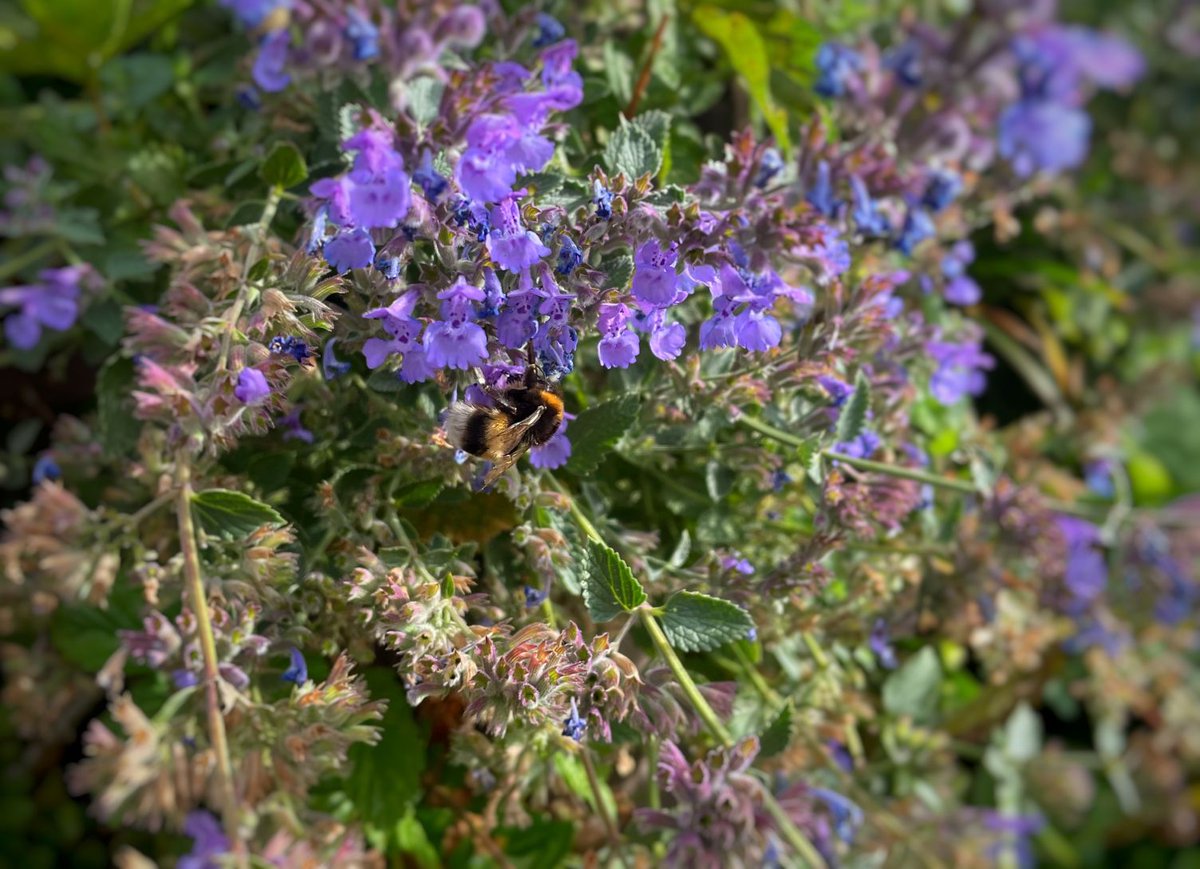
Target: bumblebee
523, 417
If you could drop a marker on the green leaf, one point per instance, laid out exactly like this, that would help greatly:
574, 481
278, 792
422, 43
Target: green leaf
424, 99
618, 269
598, 428
544, 844
418, 493
609, 586
448, 585
619, 71
747, 53
86, 635
854, 413
385, 380
232, 515
913, 690
410, 838
777, 736
118, 426
386, 777
105, 317
284, 166
658, 124
574, 776
1023, 734
631, 150
695, 622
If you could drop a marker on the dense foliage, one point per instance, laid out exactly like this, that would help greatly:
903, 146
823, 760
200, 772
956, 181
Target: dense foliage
869, 535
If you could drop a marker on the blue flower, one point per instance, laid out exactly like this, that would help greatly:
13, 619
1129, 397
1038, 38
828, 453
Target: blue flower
252, 13
847, 816
655, 281
881, 645
918, 226
836, 63
297, 671
1098, 475
289, 345
535, 597
837, 390
45, 468
569, 256
293, 428
430, 181
866, 214
905, 62
861, 447
780, 479
941, 189
208, 841
769, 166
602, 197
1086, 573
820, 195
1043, 135
574, 727
363, 35
52, 303
549, 32
184, 679
333, 367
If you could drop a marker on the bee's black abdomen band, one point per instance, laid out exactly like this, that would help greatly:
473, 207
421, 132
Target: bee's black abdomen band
474, 436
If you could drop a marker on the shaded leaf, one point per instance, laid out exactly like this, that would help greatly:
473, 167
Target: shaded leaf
854, 412
696, 622
913, 689
232, 515
631, 150
598, 428
284, 166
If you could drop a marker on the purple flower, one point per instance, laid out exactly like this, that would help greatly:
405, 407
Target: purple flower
960, 288
619, 350
498, 147
836, 64
53, 303
574, 727
380, 199
331, 366
289, 345
959, 372
208, 841
837, 390
905, 62
535, 597
718, 331
861, 447
555, 452
516, 325
654, 278
735, 561
1098, 475
847, 816
350, 249
293, 429
757, 330
667, 340
268, 72
184, 679
252, 13
510, 244
362, 34
297, 671
45, 468
456, 342
252, 386
881, 645
1036, 135
1086, 574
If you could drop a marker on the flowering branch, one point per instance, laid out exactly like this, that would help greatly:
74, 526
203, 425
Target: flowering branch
256, 246
208, 647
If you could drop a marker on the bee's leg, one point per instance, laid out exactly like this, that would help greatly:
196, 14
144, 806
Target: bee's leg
531, 366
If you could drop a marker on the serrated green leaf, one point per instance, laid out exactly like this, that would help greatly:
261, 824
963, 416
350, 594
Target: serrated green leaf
418, 493
913, 690
696, 622
632, 151
777, 736
747, 53
598, 428
609, 586
424, 99
284, 166
118, 426
854, 412
232, 515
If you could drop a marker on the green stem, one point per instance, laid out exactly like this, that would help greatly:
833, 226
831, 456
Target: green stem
256, 246
610, 823
15, 264
663, 645
903, 473
208, 648
814, 649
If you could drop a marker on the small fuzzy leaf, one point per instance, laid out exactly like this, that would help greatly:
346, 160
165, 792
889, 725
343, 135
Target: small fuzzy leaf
284, 166
914, 689
424, 99
597, 429
609, 586
418, 493
777, 736
695, 622
232, 515
631, 150
854, 413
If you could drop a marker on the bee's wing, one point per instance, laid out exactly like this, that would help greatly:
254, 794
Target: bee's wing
511, 440
514, 445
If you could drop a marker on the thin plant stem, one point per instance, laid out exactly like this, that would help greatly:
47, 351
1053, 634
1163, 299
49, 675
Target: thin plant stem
136, 519
208, 647
23, 260
256, 247
610, 823
643, 80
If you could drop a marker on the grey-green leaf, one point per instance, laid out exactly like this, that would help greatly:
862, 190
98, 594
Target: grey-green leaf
695, 622
854, 413
232, 515
913, 690
632, 150
609, 586
777, 735
284, 166
597, 429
